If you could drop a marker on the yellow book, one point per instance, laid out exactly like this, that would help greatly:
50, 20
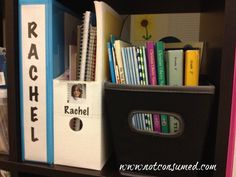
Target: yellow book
192, 61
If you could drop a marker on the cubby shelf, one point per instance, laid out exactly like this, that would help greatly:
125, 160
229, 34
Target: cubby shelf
217, 28
55, 170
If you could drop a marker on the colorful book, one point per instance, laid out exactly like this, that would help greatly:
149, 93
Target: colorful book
160, 63
125, 64
174, 65
161, 81
143, 52
156, 123
151, 63
111, 63
115, 63
135, 61
152, 77
118, 45
192, 61
164, 123
131, 64
42, 58
117, 74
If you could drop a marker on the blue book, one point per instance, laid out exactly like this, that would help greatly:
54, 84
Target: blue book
126, 65
41, 46
111, 64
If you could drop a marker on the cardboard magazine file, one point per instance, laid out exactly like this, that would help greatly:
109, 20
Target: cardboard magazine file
79, 133
131, 146
79, 128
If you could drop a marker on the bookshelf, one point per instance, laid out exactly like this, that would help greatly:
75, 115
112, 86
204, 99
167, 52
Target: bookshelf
217, 27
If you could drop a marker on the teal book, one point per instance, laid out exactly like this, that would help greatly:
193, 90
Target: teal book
161, 80
174, 65
164, 123
41, 59
160, 63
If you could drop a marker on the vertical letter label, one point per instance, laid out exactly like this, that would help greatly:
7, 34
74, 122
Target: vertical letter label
33, 69
33, 52
31, 29
33, 114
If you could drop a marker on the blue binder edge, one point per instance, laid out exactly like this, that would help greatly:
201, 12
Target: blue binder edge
50, 144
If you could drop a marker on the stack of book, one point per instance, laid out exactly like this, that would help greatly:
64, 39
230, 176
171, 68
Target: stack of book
82, 56
155, 64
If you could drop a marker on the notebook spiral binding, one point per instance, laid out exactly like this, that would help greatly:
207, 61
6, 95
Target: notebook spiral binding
87, 54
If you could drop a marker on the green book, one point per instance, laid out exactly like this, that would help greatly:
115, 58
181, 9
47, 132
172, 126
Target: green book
164, 123
160, 63
161, 78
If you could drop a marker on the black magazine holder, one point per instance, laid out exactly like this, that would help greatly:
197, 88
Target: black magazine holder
134, 147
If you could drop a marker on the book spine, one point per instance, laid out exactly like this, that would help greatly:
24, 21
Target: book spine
174, 124
156, 123
160, 63
111, 64
115, 66
135, 60
191, 67
120, 64
131, 64
151, 63
143, 52
174, 62
125, 64
164, 123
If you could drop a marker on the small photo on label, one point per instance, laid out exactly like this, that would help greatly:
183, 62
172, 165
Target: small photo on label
76, 92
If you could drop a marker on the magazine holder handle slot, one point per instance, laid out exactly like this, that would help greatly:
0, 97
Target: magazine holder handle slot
157, 123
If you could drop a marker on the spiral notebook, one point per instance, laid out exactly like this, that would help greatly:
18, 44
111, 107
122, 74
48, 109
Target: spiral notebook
87, 51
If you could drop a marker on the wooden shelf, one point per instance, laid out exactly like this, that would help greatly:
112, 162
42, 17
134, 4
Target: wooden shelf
56, 170
149, 6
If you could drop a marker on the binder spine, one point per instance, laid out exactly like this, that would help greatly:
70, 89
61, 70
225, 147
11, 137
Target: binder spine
33, 81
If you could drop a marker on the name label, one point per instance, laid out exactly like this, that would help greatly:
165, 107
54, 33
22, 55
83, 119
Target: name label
76, 111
